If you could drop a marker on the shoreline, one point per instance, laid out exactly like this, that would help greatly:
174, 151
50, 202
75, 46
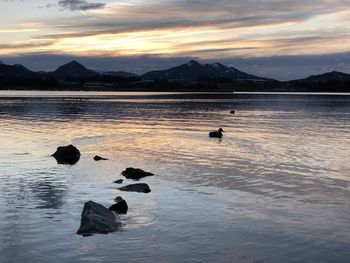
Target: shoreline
69, 94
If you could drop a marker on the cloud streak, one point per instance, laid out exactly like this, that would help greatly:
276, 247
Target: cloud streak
77, 5
74, 5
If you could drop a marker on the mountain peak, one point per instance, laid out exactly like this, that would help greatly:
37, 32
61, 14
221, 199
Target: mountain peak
192, 63
73, 63
74, 69
337, 72
218, 65
331, 73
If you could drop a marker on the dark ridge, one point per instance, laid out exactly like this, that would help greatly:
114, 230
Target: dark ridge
73, 69
194, 71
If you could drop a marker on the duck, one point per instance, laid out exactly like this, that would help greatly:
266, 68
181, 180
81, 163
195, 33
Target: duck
216, 134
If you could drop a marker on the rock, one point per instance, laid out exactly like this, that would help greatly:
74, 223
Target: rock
232, 112
120, 206
140, 188
120, 181
99, 158
67, 155
118, 199
97, 219
135, 173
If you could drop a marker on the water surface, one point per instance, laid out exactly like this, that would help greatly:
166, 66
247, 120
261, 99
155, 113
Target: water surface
274, 189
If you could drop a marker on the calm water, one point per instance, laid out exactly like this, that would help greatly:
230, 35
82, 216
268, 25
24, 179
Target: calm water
274, 189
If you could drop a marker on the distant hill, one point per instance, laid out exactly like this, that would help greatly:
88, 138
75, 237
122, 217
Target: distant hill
327, 82
326, 77
15, 71
73, 69
194, 71
19, 77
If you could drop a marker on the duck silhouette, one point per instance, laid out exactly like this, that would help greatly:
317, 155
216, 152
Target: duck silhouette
216, 134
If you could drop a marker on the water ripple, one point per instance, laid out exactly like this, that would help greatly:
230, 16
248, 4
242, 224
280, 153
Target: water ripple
274, 189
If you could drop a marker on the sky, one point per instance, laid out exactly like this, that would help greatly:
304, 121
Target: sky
271, 38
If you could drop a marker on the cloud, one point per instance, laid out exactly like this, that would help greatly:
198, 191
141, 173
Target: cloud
83, 5
240, 19
117, 27
26, 45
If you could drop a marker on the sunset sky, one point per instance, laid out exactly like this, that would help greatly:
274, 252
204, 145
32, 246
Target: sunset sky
273, 38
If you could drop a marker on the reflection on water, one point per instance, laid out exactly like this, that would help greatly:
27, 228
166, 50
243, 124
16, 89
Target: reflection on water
274, 189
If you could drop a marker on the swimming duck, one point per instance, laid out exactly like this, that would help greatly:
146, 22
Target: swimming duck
216, 134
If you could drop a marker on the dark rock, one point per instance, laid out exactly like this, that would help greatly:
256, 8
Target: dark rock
120, 181
232, 112
99, 158
118, 199
67, 155
120, 206
135, 173
140, 188
97, 219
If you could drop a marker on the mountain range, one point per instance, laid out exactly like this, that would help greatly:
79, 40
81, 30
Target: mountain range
189, 76
194, 71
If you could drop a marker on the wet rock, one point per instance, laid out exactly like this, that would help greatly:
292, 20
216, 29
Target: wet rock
135, 173
97, 219
99, 158
232, 112
120, 206
67, 155
120, 181
140, 188
118, 199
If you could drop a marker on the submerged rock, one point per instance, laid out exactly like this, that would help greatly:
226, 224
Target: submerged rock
119, 181
67, 155
135, 173
140, 188
97, 219
120, 206
99, 158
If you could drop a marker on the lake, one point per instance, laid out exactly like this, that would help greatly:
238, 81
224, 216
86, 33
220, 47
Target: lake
275, 188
